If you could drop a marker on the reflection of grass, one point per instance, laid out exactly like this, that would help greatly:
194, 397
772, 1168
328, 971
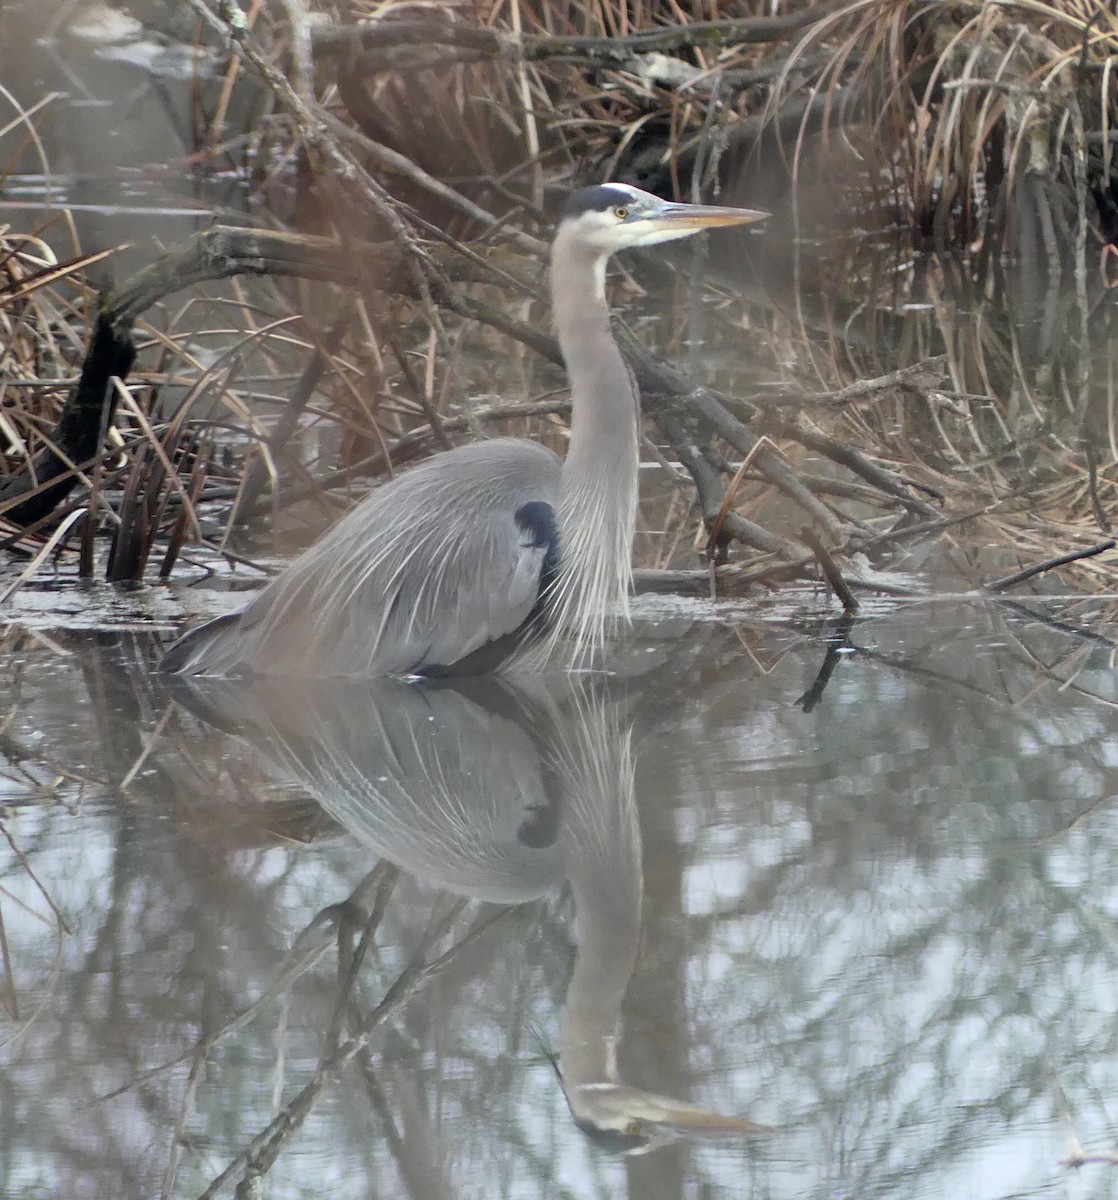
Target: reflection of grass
43, 992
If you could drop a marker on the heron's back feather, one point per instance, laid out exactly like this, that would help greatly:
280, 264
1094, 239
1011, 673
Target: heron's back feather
426, 571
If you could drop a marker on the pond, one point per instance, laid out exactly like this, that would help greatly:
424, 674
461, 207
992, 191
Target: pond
857, 886
777, 905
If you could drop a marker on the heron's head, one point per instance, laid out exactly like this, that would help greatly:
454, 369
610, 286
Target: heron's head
617, 216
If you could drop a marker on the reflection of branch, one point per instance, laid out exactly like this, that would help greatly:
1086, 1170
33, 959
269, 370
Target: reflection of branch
838, 643
349, 960
1079, 817
907, 667
35, 880
1059, 625
12, 1004
44, 993
257, 1158
178, 1133
1078, 1156
303, 955
422, 1166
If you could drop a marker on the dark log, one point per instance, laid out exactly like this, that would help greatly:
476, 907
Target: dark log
81, 427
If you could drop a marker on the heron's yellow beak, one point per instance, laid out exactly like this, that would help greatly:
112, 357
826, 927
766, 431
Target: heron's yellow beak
690, 218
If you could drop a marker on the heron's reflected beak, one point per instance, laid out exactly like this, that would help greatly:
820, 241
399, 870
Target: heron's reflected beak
687, 218
628, 1120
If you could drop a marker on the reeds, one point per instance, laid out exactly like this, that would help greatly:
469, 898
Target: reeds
941, 135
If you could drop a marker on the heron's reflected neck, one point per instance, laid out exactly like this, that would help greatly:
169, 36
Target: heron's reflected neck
608, 933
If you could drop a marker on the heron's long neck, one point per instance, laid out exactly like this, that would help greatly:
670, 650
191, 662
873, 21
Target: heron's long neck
598, 496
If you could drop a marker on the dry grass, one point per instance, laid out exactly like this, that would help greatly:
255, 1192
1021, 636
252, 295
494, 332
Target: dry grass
961, 128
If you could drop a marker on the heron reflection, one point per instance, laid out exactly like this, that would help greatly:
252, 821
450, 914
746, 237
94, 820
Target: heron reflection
500, 792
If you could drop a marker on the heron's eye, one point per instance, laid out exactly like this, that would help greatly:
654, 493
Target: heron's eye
621, 212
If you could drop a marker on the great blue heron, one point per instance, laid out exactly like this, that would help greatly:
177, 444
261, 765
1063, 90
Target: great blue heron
458, 564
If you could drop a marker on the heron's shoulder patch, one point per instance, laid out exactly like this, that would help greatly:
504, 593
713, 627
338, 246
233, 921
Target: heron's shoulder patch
537, 520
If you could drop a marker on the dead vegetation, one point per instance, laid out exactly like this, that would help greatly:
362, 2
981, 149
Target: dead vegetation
925, 324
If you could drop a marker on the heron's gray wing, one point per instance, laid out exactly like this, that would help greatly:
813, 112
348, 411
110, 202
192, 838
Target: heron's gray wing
430, 568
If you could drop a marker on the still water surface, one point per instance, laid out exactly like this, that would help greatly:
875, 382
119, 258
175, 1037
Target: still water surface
884, 926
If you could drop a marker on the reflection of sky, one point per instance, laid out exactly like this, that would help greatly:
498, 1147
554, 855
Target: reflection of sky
892, 933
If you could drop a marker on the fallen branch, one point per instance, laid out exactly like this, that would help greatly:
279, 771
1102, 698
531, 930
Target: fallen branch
223, 251
838, 644
708, 484
1050, 564
830, 570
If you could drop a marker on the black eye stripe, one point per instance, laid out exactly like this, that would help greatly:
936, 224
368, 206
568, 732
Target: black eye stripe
602, 198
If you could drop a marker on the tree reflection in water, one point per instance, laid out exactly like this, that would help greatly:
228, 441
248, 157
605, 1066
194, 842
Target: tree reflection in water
884, 926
